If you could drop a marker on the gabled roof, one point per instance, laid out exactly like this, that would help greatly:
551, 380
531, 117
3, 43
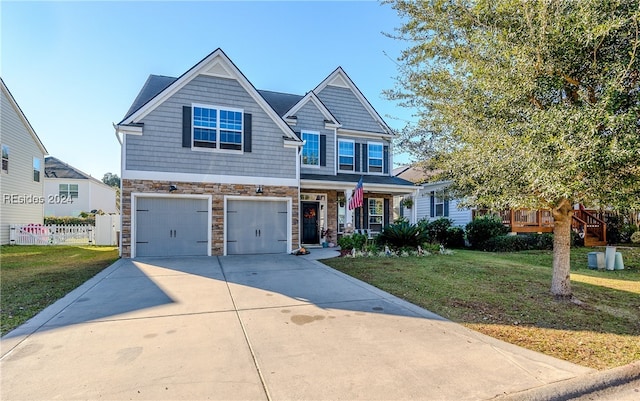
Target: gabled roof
413, 174
56, 168
340, 78
215, 64
313, 98
26, 122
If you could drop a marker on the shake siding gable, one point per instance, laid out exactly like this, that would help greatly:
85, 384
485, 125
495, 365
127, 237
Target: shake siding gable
309, 118
160, 147
347, 108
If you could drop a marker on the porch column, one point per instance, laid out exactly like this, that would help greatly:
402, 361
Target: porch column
348, 213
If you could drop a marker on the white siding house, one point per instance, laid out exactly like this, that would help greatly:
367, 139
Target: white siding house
21, 178
71, 191
432, 203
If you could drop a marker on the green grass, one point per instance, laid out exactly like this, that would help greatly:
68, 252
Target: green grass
507, 296
34, 277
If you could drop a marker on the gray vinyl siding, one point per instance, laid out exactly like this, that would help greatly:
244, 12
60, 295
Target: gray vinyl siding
22, 149
311, 119
344, 104
362, 142
160, 146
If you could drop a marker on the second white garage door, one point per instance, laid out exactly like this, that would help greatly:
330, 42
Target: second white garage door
257, 226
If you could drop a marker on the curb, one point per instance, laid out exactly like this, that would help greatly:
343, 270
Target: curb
578, 386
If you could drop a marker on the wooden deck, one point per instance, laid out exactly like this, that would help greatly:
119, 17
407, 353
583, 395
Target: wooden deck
584, 222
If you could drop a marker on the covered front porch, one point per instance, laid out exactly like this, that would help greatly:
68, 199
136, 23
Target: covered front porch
325, 213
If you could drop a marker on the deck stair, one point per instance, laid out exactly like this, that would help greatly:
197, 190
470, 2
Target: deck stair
592, 227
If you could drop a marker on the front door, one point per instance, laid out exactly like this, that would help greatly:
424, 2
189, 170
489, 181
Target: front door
310, 234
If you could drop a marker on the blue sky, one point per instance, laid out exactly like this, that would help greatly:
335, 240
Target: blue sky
76, 67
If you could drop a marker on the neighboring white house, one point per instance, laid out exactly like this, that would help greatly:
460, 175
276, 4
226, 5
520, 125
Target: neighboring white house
72, 191
431, 201
21, 178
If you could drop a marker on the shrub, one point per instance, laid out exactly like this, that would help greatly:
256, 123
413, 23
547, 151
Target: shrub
508, 243
626, 231
484, 228
53, 220
635, 237
544, 241
400, 235
359, 240
345, 242
455, 238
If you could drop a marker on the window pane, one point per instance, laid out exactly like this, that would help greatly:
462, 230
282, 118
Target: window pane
345, 155
311, 149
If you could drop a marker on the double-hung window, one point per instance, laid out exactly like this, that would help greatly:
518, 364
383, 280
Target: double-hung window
311, 149
5, 159
346, 155
439, 200
217, 128
68, 191
376, 214
36, 169
375, 152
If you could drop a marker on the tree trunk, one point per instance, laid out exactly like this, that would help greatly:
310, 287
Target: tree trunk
560, 283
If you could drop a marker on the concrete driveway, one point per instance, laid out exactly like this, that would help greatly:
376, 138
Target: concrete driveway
268, 327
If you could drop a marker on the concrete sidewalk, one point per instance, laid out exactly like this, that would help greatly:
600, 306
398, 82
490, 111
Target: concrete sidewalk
255, 327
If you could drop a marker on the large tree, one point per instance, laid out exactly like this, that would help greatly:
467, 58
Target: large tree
526, 103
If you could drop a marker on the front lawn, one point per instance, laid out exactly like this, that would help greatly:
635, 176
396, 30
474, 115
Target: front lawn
34, 277
507, 296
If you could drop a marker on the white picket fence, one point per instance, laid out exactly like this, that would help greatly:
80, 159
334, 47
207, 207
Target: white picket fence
38, 234
105, 232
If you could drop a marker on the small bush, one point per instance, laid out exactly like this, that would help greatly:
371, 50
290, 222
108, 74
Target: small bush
635, 237
53, 220
401, 235
345, 242
508, 243
455, 238
626, 231
359, 240
544, 241
484, 228
436, 230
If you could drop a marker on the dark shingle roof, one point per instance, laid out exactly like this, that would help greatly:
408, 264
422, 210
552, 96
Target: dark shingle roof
280, 102
366, 179
55, 168
154, 85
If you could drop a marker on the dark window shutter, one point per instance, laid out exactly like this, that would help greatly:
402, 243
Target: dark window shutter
298, 134
186, 126
247, 132
357, 158
432, 208
365, 160
385, 219
357, 213
385, 160
323, 150
365, 212
446, 208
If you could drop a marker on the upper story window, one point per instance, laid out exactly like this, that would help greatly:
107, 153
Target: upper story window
375, 152
68, 191
5, 159
311, 149
217, 128
36, 169
346, 155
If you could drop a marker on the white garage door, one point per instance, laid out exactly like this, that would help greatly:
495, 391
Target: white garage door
255, 227
172, 227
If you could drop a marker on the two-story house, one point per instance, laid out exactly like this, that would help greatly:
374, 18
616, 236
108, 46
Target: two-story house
211, 165
21, 177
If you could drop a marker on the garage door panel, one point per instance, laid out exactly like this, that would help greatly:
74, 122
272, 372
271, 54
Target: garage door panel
255, 227
171, 226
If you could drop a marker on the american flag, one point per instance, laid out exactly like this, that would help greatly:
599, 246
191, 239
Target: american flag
357, 197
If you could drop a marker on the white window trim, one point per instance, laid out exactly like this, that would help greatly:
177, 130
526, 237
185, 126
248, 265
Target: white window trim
39, 169
369, 158
436, 203
375, 215
217, 148
352, 142
316, 133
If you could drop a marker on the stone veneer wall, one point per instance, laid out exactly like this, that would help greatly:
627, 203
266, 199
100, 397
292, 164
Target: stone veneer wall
218, 192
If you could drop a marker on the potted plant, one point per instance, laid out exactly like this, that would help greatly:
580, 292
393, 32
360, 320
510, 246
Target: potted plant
407, 202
